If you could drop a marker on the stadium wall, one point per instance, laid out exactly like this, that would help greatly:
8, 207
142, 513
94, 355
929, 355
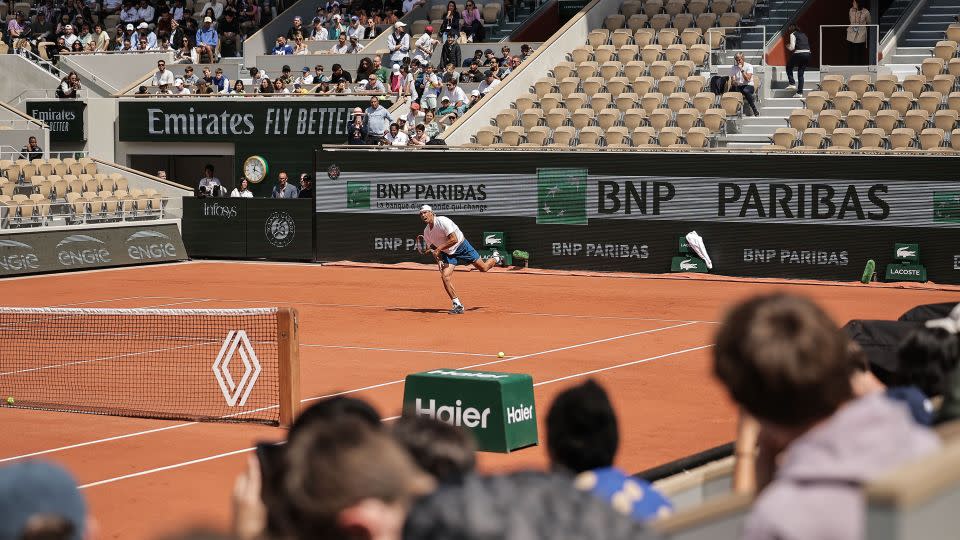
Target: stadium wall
804, 216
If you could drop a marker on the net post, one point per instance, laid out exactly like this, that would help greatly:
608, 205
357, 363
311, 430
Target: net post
288, 344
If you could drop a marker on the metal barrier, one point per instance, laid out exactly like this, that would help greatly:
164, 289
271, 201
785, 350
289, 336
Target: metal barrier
873, 42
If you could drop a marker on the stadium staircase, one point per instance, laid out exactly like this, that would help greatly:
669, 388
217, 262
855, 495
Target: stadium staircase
922, 35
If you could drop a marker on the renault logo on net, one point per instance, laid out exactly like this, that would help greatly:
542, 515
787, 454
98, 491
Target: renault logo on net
236, 393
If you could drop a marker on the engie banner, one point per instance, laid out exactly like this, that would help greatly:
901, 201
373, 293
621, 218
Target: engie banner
79, 249
572, 197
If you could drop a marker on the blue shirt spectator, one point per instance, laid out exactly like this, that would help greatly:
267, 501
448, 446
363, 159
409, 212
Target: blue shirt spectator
377, 118
282, 47
207, 35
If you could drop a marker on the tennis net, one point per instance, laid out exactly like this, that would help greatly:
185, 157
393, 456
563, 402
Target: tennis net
232, 365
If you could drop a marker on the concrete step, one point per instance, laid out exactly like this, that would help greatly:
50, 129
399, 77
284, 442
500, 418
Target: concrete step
741, 138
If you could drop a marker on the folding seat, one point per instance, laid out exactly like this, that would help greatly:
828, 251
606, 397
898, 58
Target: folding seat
800, 119
626, 101
674, 7
631, 7
583, 53
683, 21
675, 53
902, 139
813, 137
953, 67
614, 21
592, 85
732, 102
669, 136
859, 83
785, 137
699, 54
952, 32
583, 117
659, 69
76, 169
486, 136
715, 120
618, 85
858, 120
694, 84
628, 53
513, 135
590, 136
931, 67
644, 84
587, 69
873, 138
617, 136
668, 85
706, 21
901, 102
683, 69
831, 84
608, 118
691, 37
887, 84
643, 136
932, 139
619, 38
668, 37
704, 100
525, 101
953, 101
544, 86
635, 118
538, 135
916, 120
569, 85
549, 102
817, 100
636, 22
687, 119
843, 137
943, 83
600, 101
651, 53
729, 20
946, 119
634, 69
698, 137
887, 120
651, 101
678, 100
611, 69
873, 102
598, 37
506, 118
660, 118
829, 120
696, 7
563, 69
644, 37
652, 7
955, 140
659, 22
605, 53
914, 84
531, 117
557, 117
576, 100
929, 101
743, 8
563, 136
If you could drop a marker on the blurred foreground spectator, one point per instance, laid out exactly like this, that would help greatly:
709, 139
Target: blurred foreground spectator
41, 500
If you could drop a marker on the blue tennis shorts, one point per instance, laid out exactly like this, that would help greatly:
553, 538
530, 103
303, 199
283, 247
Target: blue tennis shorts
465, 254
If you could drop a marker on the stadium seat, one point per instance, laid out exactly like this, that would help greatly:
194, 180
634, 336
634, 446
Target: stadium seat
626, 101
873, 101
538, 135
929, 101
843, 137
916, 119
887, 84
605, 53
829, 119
902, 138
512, 135
563, 69
651, 101
563, 136
531, 117
636, 22
943, 83
946, 119
932, 139
914, 84
600, 101
873, 138
557, 117
643, 136
858, 120
859, 83
635, 118
576, 100
831, 84
618, 85
617, 136
887, 120
785, 137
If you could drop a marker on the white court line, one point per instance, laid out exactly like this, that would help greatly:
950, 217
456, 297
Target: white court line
384, 349
244, 450
307, 400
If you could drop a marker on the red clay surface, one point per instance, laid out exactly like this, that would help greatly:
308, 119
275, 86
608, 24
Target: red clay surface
363, 329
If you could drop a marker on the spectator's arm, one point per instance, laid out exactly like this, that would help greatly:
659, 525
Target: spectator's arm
745, 455
793, 42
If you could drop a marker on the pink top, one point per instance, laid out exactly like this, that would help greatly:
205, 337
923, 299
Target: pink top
470, 16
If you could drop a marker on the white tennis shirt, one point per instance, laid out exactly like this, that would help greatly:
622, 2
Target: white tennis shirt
437, 235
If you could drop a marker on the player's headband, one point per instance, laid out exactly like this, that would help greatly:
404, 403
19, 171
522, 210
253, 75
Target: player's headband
426, 208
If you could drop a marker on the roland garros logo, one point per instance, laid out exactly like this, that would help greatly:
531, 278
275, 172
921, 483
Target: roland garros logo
236, 343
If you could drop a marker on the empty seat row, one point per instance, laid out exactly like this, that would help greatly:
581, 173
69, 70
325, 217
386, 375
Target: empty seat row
712, 37
594, 137
651, 8
886, 120
842, 139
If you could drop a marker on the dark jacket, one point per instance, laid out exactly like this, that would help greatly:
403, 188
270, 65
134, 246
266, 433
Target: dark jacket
450, 55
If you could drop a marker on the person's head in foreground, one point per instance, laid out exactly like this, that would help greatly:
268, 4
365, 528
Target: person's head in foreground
582, 439
426, 213
786, 363
445, 452
344, 478
40, 500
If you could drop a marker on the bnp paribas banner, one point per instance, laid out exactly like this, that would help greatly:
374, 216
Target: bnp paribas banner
574, 197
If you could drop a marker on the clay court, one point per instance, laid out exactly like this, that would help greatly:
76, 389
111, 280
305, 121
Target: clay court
362, 329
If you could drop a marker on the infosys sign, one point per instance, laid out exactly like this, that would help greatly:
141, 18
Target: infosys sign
53, 251
498, 408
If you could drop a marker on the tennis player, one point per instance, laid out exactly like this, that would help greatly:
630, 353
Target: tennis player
447, 244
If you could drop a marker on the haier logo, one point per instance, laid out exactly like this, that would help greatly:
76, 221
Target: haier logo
454, 415
18, 256
519, 414
148, 245
82, 249
219, 210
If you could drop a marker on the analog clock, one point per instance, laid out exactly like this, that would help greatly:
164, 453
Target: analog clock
255, 169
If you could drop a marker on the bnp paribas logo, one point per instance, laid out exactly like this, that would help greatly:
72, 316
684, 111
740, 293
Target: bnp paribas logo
236, 344
561, 196
358, 194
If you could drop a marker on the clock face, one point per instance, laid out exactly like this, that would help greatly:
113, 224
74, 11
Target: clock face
255, 169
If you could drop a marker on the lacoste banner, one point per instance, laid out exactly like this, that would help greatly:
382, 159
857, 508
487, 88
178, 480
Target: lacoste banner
276, 229
241, 119
78, 249
64, 116
572, 197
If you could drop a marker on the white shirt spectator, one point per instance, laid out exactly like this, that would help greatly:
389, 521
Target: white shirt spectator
355, 31
340, 49
736, 74
246, 194
151, 40
437, 235
408, 5
455, 95
423, 50
145, 13
484, 87
161, 78
130, 15
181, 91
403, 41
217, 9
177, 13
113, 5
304, 79
400, 140
69, 39
413, 118
319, 34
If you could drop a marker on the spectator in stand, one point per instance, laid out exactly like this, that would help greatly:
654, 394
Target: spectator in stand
242, 191
396, 136
398, 43
357, 132
69, 38
525, 52
41, 500
209, 185
176, 12
446, 108
337, 75
490, 82
582, 440
145, 12
189, 78
207, 40
299, 46
857, 34
142, 91
472, 75
425, 45
176, 33
474, 98
505, 57
785, 362
431, 89
77, 47
431, 126
129, 14
477, 57
207, 75
180, 89
408, 85
456, 95
364, 69
229, 28
445, 452
336, 27
341, 46
306, 191
69, 86
204, 88
109, 7
279, 87
410, 5
450, 54
372, 84
473, 23
265, 87
283, 190
799, 47
355, 30
355, 47
370, 29
297, 29
319, 75
488, 57
319, 32
450, 22
382, 72
32, 150
220, 84
397, 78
163, 78
414, 116
305, 76
419, 138
376, 121
184, 54
281, 47
324, 88
741, 80
285, 76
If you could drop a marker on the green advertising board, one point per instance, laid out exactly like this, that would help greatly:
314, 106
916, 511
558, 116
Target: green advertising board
498, 408
688, 264
906, 272
63, 116
908, 253
562, 196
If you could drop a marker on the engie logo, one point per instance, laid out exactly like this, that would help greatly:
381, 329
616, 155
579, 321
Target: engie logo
147, 245
280, 229
454, 415
82, 249
219, 210
236, 393
17, 256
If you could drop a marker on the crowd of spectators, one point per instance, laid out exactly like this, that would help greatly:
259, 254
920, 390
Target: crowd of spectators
814, 431
214, 30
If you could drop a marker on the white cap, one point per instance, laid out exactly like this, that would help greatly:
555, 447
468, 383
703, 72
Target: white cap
426, 208
129, 27
396, 68
143, 25
178, 82
400, 24
475, 92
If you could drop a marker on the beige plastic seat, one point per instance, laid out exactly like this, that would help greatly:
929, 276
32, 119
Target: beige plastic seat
801, 119
626, 101
544, 86
873, 101
652, 7
508, 117
887, 84
703, 101
932, 139
916, 119
667, 37
564, 69
683, 69
843, 137
694, 84
720, 6
902, 138
698, 137
513, 135
651, 101
691, 36
955, 140
696, 7
660, 118
592, 85
929, 101
659, 69
538, 135
614, 21
634, 69
817, 100
605, 53
643, 136
528, 119
525, 101
675, 53
668, 85
89, 184
873, 138
678, 100
831, 84
785, 137
563, 137
590, 136
946, 119
943, 83
715, 120
858, 120
687, 119
706, 21
582, 118
618, 85
569, 85
669, 136
628, 53
732, 102
576, 101
887, 120
931, 67
683, 21
557, 117
617, 136
635, 118
600, 101
486, 136
844, 101
636, 21
598, 37
651, 53
914, 84
644, 37
659, 22
608, 118
611, 69
586, 69
829, 119
618, 39
644, 84
813, 137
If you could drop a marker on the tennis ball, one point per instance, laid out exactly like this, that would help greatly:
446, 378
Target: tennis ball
500, 354
10, 400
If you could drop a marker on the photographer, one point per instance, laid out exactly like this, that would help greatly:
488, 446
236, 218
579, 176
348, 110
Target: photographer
741, 79
210, 185
69, 86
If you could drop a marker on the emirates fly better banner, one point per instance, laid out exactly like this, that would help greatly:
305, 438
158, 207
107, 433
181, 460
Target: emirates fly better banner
572, 197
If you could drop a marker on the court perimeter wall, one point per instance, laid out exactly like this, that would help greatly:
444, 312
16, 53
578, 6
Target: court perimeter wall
791, 216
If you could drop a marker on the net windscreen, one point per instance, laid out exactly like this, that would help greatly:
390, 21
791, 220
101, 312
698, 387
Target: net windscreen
203, 364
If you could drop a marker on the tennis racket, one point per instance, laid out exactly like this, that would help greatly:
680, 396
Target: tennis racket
422, 247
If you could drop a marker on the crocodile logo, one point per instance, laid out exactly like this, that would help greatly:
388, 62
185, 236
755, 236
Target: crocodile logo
687, 264
905, 252
492, 240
